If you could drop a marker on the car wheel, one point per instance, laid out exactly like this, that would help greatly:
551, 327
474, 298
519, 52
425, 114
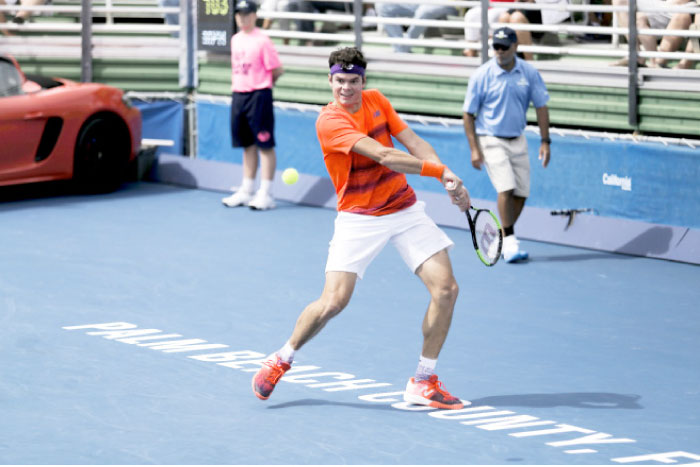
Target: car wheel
101, 154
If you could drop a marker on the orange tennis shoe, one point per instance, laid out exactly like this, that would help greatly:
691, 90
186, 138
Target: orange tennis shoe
268, 376
431, 393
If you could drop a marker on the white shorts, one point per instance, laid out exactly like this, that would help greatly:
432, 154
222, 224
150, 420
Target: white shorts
473, 15
507, 163
657, 19
359, 238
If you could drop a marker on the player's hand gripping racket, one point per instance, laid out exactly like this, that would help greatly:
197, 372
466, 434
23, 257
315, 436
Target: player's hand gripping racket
487, 235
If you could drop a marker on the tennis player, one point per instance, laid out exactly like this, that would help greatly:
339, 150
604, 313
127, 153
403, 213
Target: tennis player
376, 206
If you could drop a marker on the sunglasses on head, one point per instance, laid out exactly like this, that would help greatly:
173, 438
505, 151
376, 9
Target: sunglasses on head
500, 47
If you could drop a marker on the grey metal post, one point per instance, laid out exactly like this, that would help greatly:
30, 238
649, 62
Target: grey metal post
484, 31
189, 75
187, 66
86, 41
358, 10
633, 91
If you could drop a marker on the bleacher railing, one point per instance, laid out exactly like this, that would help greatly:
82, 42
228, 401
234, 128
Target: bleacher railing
161, 40
361, 36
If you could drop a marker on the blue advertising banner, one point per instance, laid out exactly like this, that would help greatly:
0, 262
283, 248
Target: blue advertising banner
163, 120
649, 182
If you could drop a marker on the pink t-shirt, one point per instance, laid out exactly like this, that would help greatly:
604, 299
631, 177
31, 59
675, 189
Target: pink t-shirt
253, 57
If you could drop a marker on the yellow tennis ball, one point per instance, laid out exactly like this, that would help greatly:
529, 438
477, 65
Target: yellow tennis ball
290, 176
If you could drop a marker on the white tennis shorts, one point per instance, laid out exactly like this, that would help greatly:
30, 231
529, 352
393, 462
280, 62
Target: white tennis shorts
507, 163
359, 238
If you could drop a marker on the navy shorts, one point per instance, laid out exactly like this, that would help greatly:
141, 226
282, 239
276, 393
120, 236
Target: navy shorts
253, 119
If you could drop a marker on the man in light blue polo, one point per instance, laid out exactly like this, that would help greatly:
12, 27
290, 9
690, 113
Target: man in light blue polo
497, 99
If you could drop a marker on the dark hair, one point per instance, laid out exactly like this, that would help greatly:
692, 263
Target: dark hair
347, 56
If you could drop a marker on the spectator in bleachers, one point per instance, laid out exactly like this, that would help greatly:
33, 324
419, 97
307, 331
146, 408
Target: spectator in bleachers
473, 15
693, 45
596, 19
680, 21
410, 10
514, 16
533, 17
3, 19
649, 20
302, 6
600, 18
283, 23
23, 15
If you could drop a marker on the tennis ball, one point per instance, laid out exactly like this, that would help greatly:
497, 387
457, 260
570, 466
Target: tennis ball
290, 176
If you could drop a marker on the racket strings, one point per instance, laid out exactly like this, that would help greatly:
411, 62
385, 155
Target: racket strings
487, 236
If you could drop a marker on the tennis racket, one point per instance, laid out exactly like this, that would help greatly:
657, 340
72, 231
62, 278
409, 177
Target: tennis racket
487, 235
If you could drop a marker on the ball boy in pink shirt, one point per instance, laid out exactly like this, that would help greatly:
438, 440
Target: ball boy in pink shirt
255, 68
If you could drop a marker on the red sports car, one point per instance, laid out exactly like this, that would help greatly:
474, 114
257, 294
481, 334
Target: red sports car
57, 129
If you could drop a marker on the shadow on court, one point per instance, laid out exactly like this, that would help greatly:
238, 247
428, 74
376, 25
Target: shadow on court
593, 255
32, 191
586, 400
59, 193
654, 241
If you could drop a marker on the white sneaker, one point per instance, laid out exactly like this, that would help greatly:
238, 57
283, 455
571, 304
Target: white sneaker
261, 201
239, 198
511, 250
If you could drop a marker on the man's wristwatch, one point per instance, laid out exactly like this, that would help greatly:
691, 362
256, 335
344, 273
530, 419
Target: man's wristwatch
547, 140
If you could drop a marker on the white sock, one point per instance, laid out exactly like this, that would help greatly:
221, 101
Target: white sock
266, 186
286, 353
426, 368
248, 185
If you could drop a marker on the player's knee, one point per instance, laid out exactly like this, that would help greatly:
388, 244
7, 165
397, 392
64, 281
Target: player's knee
446, 293
332, 306
453, 290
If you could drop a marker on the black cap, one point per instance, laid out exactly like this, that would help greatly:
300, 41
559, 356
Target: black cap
246, 6
504, 36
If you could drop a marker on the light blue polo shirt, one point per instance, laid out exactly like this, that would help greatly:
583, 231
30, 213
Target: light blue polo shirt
500, 98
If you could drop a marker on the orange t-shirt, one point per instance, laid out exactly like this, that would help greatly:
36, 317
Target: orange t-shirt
362, 185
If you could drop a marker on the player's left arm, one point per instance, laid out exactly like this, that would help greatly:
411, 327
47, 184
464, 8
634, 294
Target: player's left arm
543, 122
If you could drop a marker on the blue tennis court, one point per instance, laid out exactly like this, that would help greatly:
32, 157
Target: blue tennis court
131, 324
